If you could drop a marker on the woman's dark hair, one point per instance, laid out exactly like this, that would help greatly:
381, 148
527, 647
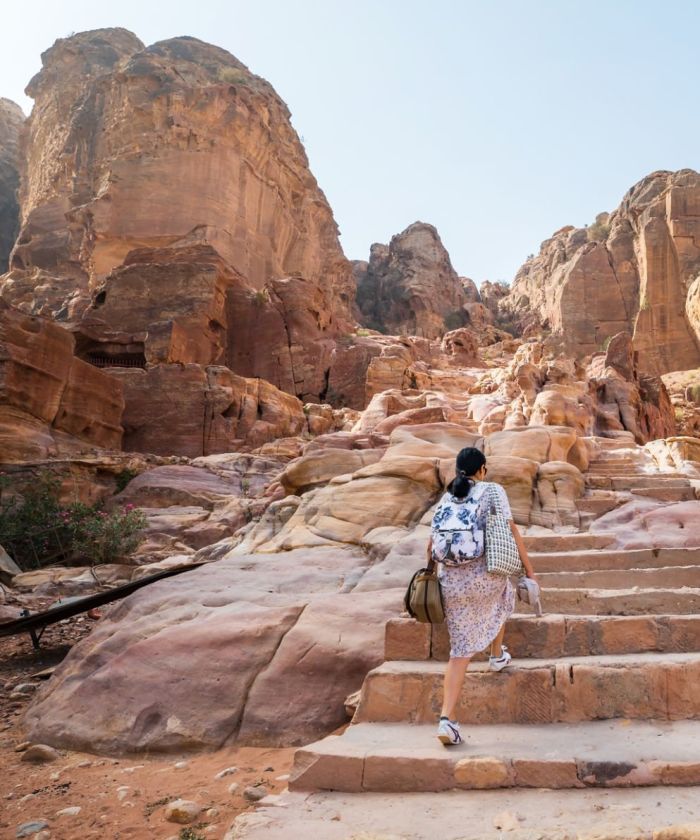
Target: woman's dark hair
469, 461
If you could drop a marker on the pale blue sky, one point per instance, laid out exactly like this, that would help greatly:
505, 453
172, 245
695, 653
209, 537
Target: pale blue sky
497, 121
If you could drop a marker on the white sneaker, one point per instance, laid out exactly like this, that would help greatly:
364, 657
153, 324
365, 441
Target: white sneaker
498, 663
448, 732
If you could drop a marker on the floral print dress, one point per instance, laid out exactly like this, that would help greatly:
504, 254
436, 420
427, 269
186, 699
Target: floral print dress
476, 602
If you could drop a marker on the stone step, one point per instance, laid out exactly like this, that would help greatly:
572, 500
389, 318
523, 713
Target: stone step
598, 505
611, 558
667, 494
407, 758
640, 686
633, 601
567, 542
635, 482
506, 814
555, 636
664, 576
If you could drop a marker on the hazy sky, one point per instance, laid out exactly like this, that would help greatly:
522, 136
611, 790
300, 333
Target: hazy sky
498, 121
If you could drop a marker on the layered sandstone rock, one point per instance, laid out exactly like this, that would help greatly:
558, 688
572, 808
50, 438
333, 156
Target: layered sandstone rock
194, 410
409, 287
212, 157
632, 272
11, 120
170, 217
47, 395
248, 632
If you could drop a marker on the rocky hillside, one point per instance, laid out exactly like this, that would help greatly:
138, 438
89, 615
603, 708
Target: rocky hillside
409, 286
177, 288
11, 120
634, 271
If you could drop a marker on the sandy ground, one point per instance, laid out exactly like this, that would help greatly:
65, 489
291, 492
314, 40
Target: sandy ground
118, 798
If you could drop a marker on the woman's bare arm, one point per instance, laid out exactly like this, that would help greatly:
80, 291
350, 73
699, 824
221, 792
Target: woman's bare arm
517, 536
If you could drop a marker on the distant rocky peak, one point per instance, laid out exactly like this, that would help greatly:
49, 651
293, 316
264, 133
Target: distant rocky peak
409, 287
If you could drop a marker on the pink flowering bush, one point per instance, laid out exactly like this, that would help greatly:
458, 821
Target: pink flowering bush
36, 529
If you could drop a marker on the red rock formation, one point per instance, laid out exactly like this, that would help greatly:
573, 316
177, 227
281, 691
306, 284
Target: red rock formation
11, 119
409, 287
48, 395
630, 272
194, 410
167, 206
212, 157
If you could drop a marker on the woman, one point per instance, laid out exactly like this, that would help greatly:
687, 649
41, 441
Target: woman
477, 602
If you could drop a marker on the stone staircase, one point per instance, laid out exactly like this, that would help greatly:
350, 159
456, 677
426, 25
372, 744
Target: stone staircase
618, 475
602, 692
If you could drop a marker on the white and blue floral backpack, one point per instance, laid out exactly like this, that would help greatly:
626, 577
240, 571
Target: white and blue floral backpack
458, 526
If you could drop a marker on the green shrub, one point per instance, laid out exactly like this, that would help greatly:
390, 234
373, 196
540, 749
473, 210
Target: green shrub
36, 528
123, 478
600, 229
454, 320
233, 76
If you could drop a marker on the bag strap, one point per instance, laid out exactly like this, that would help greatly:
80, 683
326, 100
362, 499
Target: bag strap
495, 500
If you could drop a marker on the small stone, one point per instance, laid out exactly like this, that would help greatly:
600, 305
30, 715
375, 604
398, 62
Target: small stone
45, 834
182, 811
40, 754
72, 811
233, 787
122, 792
21, 747
84, 763
506, 821
229, 771
22, 690
211, 813
283, 778
26, 797
29, 828
55, 776
133, 769
269, 770
180, 765
255, 793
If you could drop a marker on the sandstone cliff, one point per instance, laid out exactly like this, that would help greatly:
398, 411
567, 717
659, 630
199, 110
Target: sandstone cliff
630, 271
409, 287
50, 401
139, 147
11, 119
169, 151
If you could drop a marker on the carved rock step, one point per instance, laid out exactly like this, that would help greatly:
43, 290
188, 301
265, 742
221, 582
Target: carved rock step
600, 504
640, 686
405, 758
554, 636
634, 482
652, 600
567, 542
638, 558
665, 576
531, 813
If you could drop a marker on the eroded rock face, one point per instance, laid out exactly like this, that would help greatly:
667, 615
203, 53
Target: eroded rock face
194, 410
632, 273
46, 393
169, 215
409, 287
11, 120
213, 156
241, 630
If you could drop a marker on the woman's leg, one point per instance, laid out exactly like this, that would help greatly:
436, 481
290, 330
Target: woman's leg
454, 678
496, 649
